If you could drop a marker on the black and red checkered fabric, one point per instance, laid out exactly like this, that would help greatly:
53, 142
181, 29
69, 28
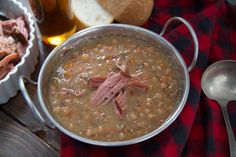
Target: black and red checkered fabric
199, 130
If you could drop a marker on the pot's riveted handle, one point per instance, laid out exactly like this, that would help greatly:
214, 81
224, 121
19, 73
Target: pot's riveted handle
194, 37
22, 80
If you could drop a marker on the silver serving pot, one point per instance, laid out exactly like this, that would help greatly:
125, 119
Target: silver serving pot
112, 29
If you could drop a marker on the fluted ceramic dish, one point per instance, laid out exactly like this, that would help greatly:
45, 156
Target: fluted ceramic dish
9, 85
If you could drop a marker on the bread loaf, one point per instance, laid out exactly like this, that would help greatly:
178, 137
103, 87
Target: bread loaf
90, 13
135, 12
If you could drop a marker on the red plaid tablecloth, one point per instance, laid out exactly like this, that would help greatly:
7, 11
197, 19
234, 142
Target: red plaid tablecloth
199, 130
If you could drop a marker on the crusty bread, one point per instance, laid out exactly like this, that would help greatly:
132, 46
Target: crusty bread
90, 13
135, 12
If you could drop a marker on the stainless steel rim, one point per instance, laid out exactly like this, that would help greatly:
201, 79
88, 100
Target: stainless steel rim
118, 143
193, 34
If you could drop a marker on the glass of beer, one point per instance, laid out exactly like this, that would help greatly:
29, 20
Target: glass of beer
55, 20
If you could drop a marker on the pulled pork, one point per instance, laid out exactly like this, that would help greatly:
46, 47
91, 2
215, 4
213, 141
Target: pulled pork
13, 41
114, 88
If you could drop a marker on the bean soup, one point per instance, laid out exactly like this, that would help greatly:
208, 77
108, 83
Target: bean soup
114, 88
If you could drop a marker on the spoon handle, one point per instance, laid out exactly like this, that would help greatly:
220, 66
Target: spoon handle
232, 143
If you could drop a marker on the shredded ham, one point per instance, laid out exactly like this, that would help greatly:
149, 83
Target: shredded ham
114, 88
13, 42
9, 58
5, 70
119, 102
16, 28
137, 85
96, 81
109, 88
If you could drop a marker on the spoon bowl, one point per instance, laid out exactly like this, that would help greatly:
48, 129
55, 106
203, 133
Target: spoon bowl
219, 83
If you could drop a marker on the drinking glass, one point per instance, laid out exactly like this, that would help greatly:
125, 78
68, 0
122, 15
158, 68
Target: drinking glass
55, 20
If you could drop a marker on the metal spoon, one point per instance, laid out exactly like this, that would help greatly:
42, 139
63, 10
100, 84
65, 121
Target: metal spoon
219, 83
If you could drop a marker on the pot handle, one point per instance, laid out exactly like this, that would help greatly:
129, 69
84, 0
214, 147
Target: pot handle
21, 81
193, 34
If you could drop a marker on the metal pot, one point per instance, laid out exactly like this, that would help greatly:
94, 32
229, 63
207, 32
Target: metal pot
112, 29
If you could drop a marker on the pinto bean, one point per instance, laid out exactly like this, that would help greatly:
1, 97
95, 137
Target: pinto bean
147, 110
151, 116
85, 57
88, 132
100, 128
133, 116
163, 85
71, 125
122, 135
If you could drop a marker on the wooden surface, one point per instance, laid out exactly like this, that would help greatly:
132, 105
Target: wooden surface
19, 129
21, 134
18, 141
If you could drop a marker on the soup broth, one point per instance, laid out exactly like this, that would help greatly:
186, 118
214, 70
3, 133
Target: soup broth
114, 88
